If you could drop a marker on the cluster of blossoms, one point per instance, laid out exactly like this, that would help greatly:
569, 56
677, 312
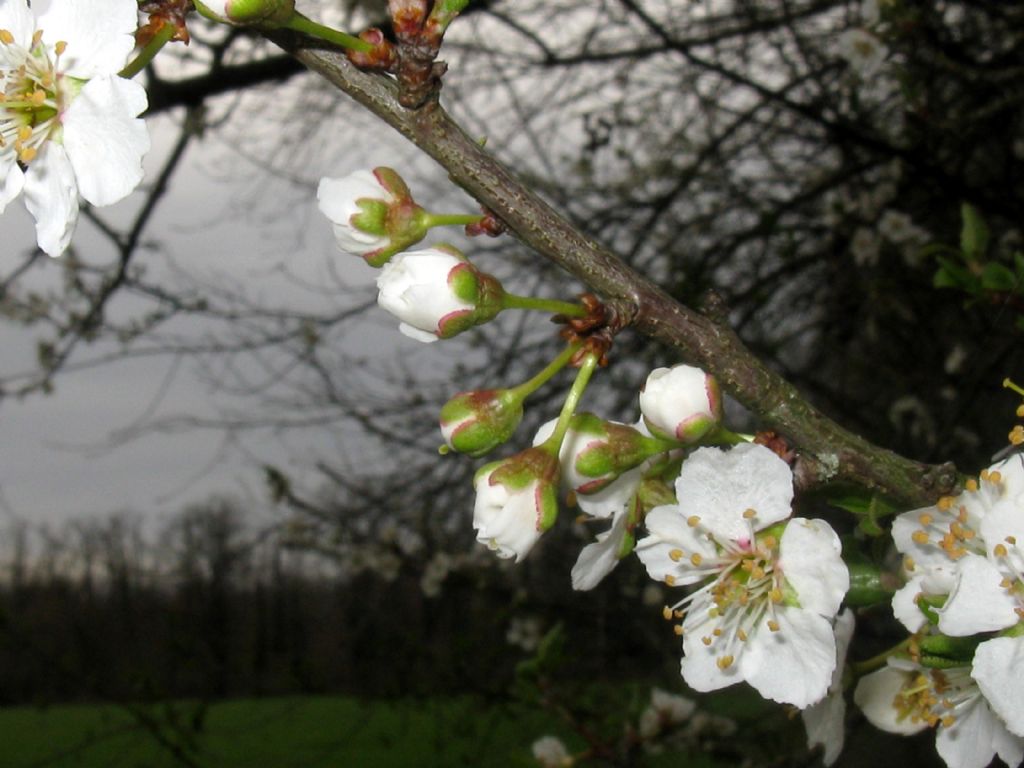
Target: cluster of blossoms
706, 510
964, 600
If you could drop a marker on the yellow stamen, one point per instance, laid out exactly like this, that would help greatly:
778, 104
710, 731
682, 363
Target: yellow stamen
27, 155
666, 613
678, 629
60, 47
675, 555
999, 550
724, 662
748, 514
773, 625
693, 521
971, 484
919, 537
696, 559
945, 503
925, 519
6, 37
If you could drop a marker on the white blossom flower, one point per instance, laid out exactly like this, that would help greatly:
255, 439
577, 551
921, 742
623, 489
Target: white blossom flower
69, 125
826, 721
550, 752
436, 293
524, 632
905, 698
769, 588
865, 247
516, 501
862, 51
971, 542
665, 711
680, 403
899, 228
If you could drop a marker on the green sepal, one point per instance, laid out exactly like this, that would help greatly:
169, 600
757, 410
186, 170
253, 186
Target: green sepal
373, 216
960, 649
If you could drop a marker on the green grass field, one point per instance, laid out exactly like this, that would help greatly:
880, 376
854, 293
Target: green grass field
276, 733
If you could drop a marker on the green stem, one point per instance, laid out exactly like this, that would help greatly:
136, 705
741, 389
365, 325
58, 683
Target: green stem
300, 23
861, 668
527, 388
449, 219
722, 436
579, 386
511, 301
149, 51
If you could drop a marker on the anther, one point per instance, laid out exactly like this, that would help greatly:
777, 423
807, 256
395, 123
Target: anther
60, 47
675, 555
995, 477
27, 155
945, 503
724, 662
666, 613
971, 484
670, 580
919, 537
678, 629
37, 37
741, 635
1011, 540
706, 640
693, 521
775, 595
6, 37
748, 514
999, 550
925, 519
773, 625
696, 559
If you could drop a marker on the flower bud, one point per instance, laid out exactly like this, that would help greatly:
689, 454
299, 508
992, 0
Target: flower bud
475, 423
436, 293
374, 215
681, 403
263, 12
516, 501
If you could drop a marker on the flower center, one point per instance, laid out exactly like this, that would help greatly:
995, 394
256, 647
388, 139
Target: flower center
746, 585
31, 100
934, 697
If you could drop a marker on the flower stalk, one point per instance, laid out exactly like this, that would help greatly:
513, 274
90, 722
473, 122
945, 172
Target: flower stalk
149, 51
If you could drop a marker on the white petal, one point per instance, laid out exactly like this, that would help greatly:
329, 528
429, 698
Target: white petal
416, 333
968, 743
614, 497
12, 179
700, 662
904, 605
719, 486
599, 559
998, 668
977, 603
105, 139
669, 532
809, 555
794, 665
923, 555
100, 34
52, 198
825, 724
17, 19
875, 694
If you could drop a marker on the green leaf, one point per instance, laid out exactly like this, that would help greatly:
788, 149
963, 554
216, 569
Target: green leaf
996, 277
973, 234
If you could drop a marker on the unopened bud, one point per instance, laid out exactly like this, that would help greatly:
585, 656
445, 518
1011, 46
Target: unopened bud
475, 423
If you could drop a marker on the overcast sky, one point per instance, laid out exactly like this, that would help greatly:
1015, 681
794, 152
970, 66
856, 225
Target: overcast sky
56, 462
